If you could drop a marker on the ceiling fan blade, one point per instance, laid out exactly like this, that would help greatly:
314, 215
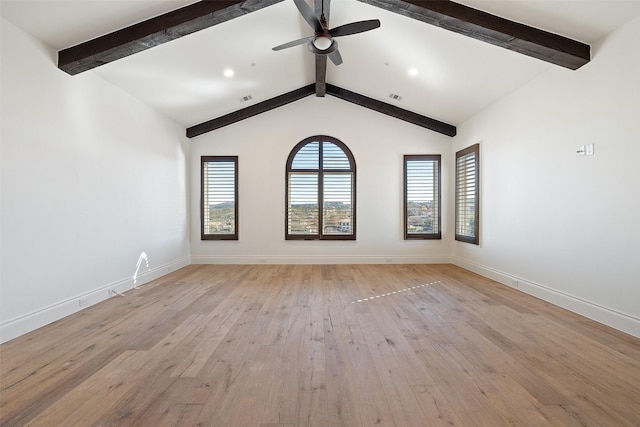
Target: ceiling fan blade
308, 15
335, 57
354, 28
292, 43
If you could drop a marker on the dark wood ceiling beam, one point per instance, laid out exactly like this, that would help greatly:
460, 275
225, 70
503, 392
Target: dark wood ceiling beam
392, 110
492, 29
345, 95
250, 111
321, 60
154, 32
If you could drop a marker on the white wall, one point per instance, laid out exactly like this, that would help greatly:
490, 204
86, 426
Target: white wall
557, 225
263, 144
91, 178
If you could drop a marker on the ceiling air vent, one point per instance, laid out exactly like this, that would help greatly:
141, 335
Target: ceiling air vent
395, 97
246, 98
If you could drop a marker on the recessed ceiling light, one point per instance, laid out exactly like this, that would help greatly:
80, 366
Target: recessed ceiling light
413, 72
228, 72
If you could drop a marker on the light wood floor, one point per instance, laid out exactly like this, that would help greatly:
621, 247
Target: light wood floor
322, 345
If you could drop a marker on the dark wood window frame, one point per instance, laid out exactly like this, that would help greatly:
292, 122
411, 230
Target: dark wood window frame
467, 173
321, 172
204, 161
436, 181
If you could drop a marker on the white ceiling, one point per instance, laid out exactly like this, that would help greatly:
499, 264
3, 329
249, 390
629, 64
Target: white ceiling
183, 79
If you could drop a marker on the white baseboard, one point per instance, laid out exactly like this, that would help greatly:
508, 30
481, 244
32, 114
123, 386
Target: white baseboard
621, 321
319, 259
21, 325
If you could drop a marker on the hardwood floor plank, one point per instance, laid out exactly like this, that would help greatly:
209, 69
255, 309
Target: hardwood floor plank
282, 401
372, 403
406, 410
312, 399
179, 415
436, 407
98, 396
216, 326
252, 396
342, 396
509, 398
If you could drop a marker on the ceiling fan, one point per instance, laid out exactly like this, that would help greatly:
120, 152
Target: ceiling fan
322, 42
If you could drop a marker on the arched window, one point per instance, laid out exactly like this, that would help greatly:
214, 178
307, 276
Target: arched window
321, 191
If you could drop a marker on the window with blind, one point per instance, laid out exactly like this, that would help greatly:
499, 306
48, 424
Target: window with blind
219, 202
422, 197
467, 194
320, 191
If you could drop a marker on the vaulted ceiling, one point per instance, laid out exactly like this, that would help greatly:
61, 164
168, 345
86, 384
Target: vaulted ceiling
458, 55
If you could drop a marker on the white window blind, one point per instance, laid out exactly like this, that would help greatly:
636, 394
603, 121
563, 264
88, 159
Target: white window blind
219, 204
467, 194
422, 197
337, 204
307, 157
303, 215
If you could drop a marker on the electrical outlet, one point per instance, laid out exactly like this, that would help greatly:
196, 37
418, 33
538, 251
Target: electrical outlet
83, 302
514, 283
581, 150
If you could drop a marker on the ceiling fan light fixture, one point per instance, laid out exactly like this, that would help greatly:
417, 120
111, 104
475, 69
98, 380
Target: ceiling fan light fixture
322, 42
328, 48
